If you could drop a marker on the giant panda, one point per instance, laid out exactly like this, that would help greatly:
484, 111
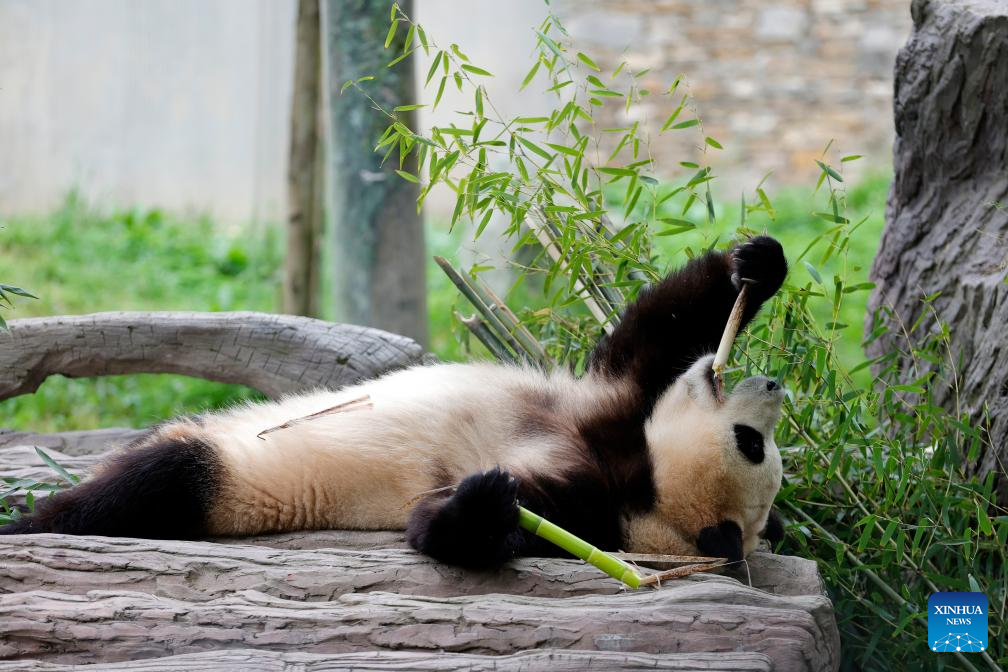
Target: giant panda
638, 453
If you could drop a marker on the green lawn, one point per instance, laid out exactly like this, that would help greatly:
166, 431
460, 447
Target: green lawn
81, 260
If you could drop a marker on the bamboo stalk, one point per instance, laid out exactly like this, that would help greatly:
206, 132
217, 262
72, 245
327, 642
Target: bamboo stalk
679, 572
518, 330
549, 244
493, 322
578, 547
475, 325
727, 338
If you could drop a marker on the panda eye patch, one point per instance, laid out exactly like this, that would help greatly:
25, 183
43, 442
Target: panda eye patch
749, 442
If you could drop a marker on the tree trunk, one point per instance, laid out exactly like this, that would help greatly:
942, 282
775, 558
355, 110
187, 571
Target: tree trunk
379, 256
305, 214
947, 218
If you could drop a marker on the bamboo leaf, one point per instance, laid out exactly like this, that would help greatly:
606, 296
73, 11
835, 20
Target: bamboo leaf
391, 33
589, 62
476, 71
52, 464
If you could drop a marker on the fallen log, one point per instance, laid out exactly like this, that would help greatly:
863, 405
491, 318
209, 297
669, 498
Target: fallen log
81, 442
242, 660
200, 571
275, 354
797, 633
204, 570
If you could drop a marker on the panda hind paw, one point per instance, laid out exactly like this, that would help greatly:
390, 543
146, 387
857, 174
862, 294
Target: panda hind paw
760, 263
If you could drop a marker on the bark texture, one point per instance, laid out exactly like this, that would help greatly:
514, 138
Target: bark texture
947, 218
275, 354
798, 633
204, 570
305, 181
78, 442
379, 260
243, 660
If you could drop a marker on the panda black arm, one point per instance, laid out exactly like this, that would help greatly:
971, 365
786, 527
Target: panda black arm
677, 320
774, 530
477, 525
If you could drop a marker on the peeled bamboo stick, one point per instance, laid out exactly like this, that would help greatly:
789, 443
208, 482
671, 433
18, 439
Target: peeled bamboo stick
727, 338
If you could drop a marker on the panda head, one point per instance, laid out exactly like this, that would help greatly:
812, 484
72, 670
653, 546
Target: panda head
716, 459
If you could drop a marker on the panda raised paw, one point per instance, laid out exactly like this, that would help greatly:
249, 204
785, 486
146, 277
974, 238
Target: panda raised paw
759, 262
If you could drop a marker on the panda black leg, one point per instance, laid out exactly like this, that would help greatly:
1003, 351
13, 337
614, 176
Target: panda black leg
774, 530
477, 526
161, 491
723, 541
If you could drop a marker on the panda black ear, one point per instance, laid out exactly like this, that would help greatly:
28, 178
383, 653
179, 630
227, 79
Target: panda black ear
749, 442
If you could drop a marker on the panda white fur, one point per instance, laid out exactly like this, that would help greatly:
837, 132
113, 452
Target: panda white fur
637, 454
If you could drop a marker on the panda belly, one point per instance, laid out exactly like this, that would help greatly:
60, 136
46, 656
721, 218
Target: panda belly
426, 428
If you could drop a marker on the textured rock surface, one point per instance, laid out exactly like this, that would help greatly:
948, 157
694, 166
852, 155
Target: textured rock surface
947, 219
275, 354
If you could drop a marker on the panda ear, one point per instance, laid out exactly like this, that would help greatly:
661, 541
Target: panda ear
749, 442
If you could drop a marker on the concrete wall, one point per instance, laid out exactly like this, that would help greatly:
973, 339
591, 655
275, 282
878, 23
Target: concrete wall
174, 103
183, 104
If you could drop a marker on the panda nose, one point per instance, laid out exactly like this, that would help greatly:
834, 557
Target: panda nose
772, 385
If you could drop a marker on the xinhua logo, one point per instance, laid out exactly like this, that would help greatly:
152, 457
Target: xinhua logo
957, 622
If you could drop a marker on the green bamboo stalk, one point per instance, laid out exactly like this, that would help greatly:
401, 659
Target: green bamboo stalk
580, 548
512, 323
492, 320
475, 325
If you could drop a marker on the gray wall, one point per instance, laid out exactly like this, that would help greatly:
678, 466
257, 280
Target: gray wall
174, 103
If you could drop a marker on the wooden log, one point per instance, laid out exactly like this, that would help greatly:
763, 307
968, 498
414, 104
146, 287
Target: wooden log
275, 354
797, 633
203, 570
242, 660
199, 571
81, 442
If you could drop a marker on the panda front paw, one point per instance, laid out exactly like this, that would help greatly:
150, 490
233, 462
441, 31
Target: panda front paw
475, 527
759, 262
490, 497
